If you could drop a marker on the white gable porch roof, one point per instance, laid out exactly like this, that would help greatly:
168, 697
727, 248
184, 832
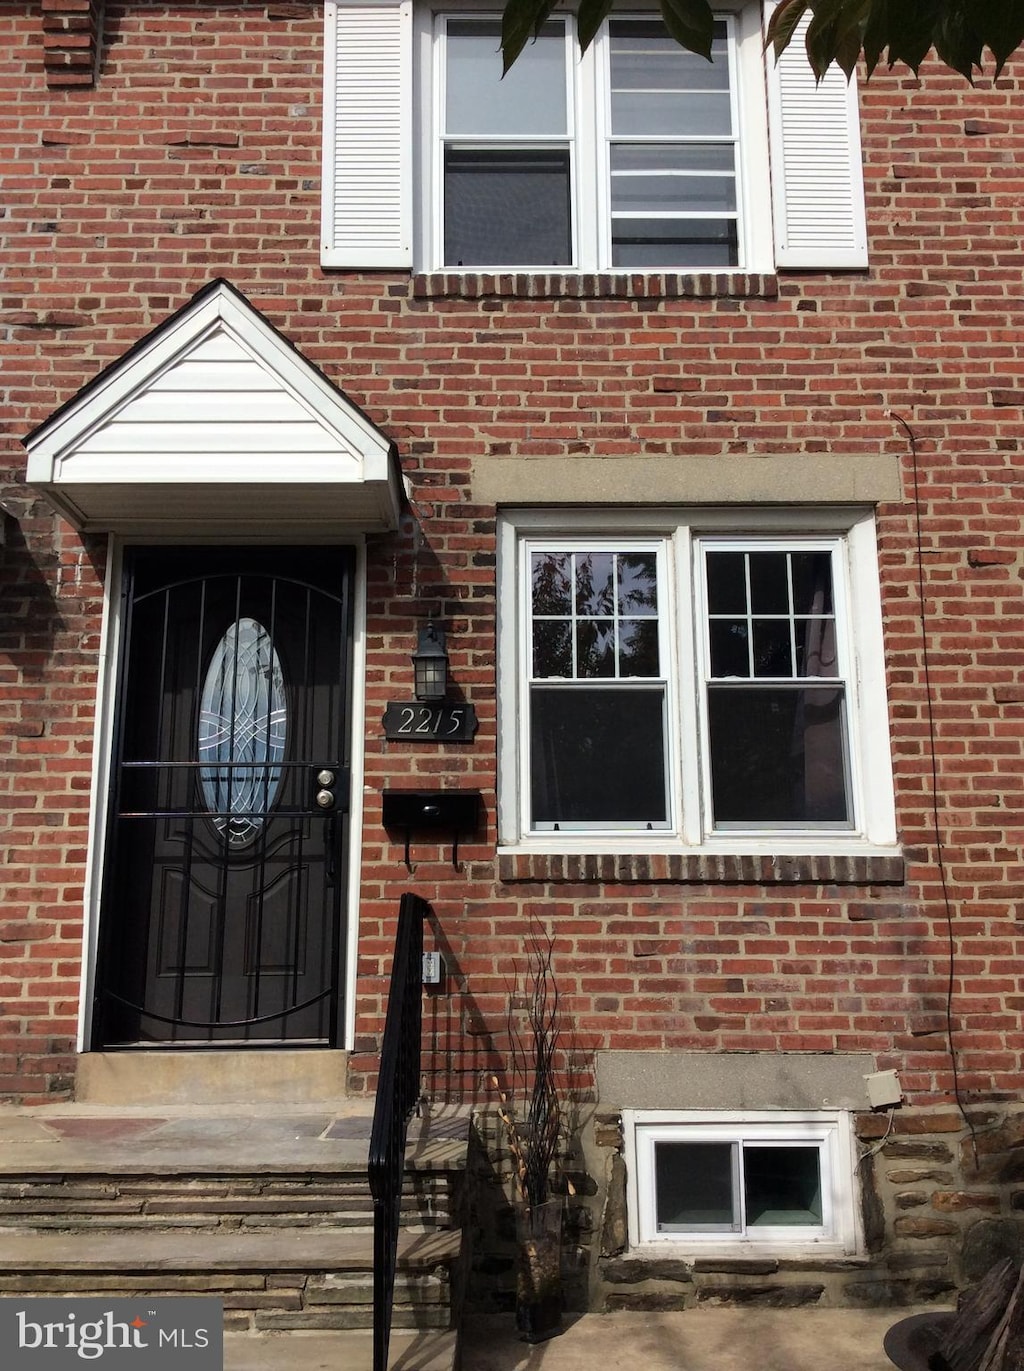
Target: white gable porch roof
215, 423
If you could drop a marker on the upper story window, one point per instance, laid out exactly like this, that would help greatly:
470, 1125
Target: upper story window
635, 156
516, 159
667, 680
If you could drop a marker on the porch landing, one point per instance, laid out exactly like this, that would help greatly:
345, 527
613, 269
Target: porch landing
243, 1139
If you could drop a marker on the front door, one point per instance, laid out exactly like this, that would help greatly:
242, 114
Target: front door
222, 910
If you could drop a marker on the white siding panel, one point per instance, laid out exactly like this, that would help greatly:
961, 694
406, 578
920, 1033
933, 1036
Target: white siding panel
817, 176
220, 346
208, 437
184, 409
266, 470
189, 377
367, 208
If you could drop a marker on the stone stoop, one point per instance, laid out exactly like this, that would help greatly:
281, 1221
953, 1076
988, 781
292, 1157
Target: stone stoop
270, 1213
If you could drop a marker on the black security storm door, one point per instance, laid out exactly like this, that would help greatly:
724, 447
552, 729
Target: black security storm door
222, 908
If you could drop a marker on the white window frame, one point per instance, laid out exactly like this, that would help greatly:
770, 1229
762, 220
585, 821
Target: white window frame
828, 1130
681, 533
589, 124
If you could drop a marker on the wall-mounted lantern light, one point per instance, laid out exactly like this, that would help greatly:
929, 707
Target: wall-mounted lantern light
430, 664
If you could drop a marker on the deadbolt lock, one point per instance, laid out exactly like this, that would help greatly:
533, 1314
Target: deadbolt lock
324, 778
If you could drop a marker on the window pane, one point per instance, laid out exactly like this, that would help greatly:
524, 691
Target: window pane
812, 582
549, 574
730, 648
506, 208
597, 756
638, 583
778, 755
816, 648
697, 114
638, 648
552, 648
773, 651
782, 1186
634, 193
595, 583
694, 1186
674, 242
595, 648
769, 582
681, 158
727, 582
644, 55
529, 101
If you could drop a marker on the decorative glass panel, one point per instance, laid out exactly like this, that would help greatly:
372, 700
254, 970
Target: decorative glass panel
242, 731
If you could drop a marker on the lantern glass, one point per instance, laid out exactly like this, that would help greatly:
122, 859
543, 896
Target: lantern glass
430, 664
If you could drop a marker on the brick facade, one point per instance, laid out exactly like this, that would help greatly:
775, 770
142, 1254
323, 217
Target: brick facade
198, 156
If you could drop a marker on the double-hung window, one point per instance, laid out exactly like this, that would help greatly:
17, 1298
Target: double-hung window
504, 154
597, 705
670, 149
633, 156
692, 685
516, 159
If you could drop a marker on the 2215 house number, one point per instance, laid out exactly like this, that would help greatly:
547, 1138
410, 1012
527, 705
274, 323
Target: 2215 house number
419, 723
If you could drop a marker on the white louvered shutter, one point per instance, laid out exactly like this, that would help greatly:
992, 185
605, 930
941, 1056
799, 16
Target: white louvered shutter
367, 186
817, 176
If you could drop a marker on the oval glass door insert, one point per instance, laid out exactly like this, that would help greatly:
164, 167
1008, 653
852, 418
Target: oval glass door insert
242, 730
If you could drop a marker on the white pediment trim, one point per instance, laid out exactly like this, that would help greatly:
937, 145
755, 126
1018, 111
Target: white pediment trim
215, 421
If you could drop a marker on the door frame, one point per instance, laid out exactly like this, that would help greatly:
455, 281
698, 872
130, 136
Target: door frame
107, 685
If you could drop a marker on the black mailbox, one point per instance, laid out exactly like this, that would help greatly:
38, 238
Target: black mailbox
454, 811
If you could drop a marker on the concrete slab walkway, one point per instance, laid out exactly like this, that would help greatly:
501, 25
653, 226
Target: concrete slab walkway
714, 1339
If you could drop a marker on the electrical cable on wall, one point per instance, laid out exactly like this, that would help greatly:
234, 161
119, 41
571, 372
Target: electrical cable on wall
940, 856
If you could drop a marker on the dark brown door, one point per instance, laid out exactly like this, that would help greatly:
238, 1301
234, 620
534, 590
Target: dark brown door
223, 895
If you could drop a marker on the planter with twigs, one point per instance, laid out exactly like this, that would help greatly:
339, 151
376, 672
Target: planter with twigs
531, 1112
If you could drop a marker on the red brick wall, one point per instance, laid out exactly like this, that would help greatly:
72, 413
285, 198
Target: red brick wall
197, 155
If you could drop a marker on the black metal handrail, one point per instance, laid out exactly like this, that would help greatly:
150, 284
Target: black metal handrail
398, 1090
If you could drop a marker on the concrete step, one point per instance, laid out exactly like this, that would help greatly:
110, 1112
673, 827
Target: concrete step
115, 1199
279, 1282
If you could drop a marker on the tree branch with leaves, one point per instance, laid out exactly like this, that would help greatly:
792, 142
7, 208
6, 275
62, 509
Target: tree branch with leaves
961, 32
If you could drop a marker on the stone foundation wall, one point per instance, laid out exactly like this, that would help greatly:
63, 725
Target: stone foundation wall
941, 1199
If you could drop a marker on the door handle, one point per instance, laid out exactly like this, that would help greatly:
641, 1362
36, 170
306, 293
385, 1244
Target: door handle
330, 784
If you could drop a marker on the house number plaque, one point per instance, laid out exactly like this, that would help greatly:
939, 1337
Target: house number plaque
429, 723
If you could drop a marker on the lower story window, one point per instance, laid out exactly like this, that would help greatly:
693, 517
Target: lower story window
770, 1179
712, 678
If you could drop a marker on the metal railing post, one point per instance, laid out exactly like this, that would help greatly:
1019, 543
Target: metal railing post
398, 1090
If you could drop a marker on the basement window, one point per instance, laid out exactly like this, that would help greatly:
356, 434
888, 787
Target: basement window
755, 1180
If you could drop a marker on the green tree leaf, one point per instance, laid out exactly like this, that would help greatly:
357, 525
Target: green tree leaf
691, 23
589, 18
963, 33
521, 20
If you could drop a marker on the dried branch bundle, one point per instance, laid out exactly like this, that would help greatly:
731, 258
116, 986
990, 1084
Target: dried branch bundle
531, 1109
